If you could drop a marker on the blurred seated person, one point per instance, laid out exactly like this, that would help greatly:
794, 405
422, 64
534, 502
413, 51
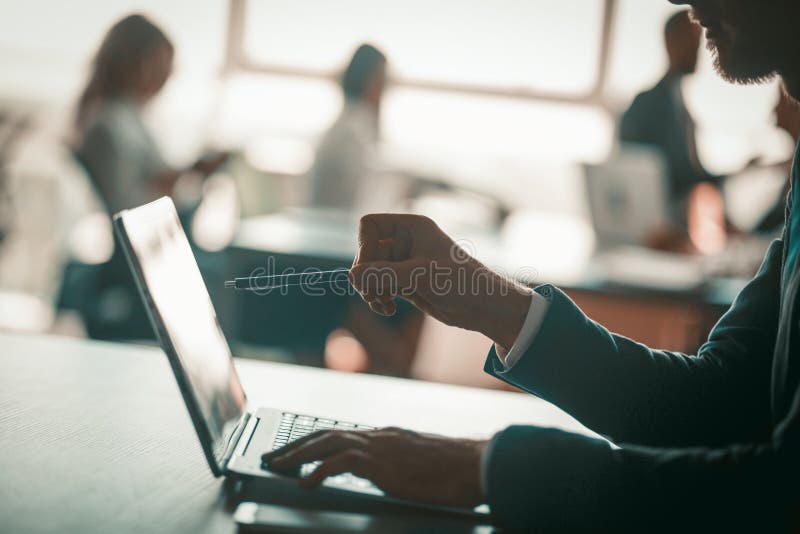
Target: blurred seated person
787, 118
125, 165
338, 178
658, 117
131, 67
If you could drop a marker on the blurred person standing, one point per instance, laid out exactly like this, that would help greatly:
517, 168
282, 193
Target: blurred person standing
111, 140
338, 178
658, 117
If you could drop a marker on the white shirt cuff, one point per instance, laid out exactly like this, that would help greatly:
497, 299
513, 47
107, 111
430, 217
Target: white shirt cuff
530, 328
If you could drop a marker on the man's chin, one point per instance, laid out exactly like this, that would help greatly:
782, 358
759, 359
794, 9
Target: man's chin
738, 68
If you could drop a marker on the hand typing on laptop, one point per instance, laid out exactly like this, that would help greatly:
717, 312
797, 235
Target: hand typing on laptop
404, 464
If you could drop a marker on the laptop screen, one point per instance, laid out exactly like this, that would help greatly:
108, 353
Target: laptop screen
184, 318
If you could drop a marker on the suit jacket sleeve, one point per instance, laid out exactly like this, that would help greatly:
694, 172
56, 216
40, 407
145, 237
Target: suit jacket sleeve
628, 392
547, 478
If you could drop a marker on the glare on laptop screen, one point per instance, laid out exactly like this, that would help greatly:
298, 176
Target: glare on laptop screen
187, 317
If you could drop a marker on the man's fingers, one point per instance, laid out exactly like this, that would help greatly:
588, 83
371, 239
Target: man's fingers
369, 240
384, 237
357, 462
322, 446
380, 282
384, 250
384, 268
388, 278
267, 456
375, 233
384, 305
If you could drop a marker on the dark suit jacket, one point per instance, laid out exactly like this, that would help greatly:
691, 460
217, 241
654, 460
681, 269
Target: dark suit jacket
717, 435
659, 118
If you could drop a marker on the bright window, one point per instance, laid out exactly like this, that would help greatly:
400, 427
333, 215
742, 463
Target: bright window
638, 58
505, 73
510, 44
43, 43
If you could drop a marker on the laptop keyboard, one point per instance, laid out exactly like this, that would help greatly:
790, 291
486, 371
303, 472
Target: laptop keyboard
293, 426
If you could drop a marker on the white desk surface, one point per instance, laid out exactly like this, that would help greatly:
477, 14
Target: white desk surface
94, 436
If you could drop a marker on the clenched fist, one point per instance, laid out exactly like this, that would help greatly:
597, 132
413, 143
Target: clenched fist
410, 257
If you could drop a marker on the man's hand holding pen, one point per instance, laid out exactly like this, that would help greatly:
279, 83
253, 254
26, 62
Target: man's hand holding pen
409, 256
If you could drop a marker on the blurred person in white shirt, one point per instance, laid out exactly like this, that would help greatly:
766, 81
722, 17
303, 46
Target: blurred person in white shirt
341, 171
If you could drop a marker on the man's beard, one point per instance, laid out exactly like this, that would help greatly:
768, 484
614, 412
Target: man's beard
742, 64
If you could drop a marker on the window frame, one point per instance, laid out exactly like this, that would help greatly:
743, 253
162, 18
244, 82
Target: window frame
236, 60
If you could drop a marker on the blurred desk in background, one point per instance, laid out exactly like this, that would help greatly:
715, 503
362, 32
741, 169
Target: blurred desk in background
95, 437
290, 241
326, 235
676, 314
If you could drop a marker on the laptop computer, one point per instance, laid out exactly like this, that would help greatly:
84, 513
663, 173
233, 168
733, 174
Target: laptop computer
629, 200
233, 435
627, 196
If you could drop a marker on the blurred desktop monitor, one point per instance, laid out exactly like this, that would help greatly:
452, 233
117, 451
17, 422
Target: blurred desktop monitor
628, 196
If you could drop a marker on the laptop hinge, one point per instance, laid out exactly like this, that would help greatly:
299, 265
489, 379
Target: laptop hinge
234, 439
